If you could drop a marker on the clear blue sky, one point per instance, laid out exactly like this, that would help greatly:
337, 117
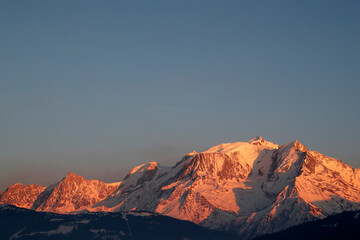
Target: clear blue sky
98, 87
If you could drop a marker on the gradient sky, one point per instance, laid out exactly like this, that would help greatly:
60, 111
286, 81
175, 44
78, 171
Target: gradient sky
98, 87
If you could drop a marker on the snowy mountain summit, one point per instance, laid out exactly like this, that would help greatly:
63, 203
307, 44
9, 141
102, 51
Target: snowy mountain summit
248, 188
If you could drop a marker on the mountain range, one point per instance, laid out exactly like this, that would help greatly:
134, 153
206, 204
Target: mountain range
245, 188
72, 193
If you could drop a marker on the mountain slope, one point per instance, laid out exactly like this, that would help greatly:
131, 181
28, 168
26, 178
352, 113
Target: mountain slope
19, 223
249, 188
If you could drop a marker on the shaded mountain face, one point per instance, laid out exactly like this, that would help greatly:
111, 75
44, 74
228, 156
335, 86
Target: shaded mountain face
20, 195
339, 226
248, 188
19, 223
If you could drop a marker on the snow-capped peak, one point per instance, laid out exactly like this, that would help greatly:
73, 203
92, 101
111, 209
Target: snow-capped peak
72, 175
73, 178
295, 145
299, 146
144, 167
242, 146
191, 153
257, 139
16, 184
227, 147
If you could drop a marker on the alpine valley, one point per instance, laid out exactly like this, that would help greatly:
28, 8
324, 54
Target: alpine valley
246, 189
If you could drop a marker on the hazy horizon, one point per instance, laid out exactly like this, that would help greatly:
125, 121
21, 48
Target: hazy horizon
98, 88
